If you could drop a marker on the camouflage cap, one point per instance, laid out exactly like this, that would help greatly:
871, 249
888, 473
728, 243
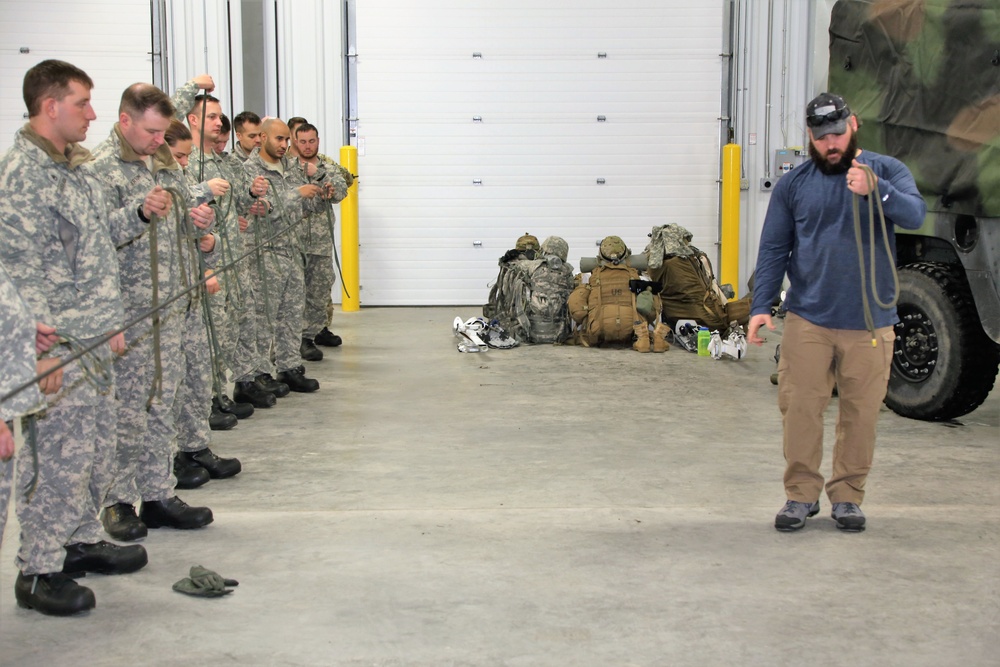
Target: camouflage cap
556, 245
614, 249
527, 242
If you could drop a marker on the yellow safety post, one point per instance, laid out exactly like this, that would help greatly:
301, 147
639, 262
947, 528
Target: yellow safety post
351, 284
729, 270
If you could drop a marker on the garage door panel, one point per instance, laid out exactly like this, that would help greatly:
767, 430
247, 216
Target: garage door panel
460, 155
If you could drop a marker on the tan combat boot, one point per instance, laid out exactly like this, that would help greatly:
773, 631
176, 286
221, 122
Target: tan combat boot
641, 343
660, 343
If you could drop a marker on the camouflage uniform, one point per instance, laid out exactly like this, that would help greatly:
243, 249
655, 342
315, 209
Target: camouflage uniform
317, 250
146, 426
17, 366
281, 295
58, 252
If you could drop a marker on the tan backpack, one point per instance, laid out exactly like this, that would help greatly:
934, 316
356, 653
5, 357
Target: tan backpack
605, 306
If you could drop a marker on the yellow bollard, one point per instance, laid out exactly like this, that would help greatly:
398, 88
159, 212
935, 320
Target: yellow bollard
729, 269
351, 284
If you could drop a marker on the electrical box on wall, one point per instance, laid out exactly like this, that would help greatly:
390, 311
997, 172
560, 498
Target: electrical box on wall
785, 159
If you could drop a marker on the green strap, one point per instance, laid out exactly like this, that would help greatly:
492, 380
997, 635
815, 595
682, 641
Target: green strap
875, 195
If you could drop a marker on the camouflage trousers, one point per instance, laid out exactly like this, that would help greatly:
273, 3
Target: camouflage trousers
279, 310
193, 403
147, 431
319, 279
6, 479
62, 480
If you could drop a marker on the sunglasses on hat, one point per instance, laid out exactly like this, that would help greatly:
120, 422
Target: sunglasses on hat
815, 120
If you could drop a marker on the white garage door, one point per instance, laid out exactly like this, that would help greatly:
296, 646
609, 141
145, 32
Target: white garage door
108, 40
482, 120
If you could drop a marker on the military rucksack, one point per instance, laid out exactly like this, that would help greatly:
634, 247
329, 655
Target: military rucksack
604, 307
529, 297
689, 290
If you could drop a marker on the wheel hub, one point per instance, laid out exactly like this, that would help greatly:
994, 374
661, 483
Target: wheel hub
916, 350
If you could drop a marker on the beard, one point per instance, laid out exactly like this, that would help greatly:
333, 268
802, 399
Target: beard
842, 165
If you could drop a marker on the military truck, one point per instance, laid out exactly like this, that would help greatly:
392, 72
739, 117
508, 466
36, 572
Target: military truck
923, 78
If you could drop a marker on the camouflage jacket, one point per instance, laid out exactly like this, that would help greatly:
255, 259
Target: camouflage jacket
279, 230
127, 180
316, 231
17, 352
56, 245
668, 241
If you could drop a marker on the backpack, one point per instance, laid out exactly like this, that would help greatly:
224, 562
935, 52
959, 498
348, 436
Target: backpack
529, 299
689, 290
605, 307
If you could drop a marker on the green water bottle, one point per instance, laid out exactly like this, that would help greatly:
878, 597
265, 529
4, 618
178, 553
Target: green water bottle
703, 337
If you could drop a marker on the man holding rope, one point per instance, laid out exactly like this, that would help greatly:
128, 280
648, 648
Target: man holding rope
831, 336
61, 259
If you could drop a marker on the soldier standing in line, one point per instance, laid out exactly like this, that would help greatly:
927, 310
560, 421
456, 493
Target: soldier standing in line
222, 143
317, 244
20, 340
59, 254
246, 124
137, 168
279, 320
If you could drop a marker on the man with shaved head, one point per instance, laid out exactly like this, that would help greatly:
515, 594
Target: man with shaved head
282, 289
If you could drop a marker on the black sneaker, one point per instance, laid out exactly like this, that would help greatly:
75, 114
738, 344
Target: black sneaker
272, 386
121, 523
54, 594
309, 351
327, 339
794, 514
252, 393
849, 517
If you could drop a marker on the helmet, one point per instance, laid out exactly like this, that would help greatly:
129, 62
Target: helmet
556, 245
527, 242
614, 250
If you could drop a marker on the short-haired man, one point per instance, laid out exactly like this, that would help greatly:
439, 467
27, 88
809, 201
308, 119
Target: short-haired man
279, 312
246, 125
222, 143
143, 183
831, 337
317, 247
58, 253
293, 124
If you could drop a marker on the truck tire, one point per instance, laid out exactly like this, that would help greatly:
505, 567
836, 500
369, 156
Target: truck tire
944, 365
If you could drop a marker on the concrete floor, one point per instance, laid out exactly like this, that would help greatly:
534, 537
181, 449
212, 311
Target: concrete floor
548, 506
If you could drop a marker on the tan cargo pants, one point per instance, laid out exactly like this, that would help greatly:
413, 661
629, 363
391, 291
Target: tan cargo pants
813, 360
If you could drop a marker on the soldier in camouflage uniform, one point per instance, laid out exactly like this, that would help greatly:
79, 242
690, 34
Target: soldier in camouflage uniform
196, 390
17, 367
316, 235
58, 252
137, 170
235, 307
246, 125
279, 312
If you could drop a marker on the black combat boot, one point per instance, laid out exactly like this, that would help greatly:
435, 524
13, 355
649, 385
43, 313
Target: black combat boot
218, 468
54, 594
309, 351
327, 339
296, 380
252, 393
103, 558
219, 420
174, 513
270, 385
229, 406
121, 523
189, 475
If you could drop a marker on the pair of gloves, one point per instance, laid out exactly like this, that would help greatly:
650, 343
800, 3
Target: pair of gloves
205, 583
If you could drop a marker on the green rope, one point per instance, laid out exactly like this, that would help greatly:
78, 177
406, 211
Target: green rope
875, 195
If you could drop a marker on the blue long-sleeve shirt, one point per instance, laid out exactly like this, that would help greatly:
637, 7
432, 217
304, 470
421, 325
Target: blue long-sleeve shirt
809, 234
